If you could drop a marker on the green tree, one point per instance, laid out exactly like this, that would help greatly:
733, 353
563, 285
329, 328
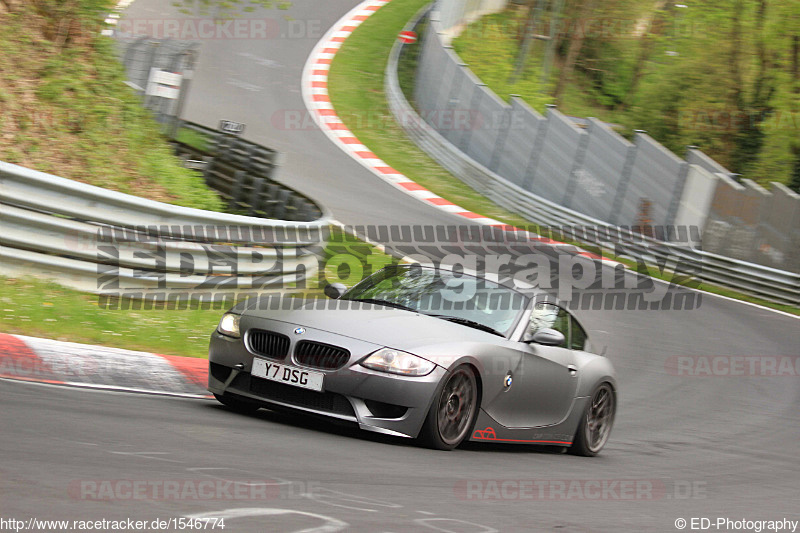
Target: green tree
794, 184
576, 40
651, 27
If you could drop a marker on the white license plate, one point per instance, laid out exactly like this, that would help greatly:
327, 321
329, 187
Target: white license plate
291, 375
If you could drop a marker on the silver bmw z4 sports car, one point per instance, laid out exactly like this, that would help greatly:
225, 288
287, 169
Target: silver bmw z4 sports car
425, 353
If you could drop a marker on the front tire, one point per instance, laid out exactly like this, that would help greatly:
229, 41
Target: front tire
453, 412
596, 422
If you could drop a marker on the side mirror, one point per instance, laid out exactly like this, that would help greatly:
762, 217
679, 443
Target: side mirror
334, 290
546, 337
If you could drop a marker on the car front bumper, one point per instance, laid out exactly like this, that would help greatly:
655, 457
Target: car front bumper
376, 401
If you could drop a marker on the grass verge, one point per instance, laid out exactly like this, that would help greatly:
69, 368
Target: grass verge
65, 110
41, 308
60, 90
45, 309
195, 139
356, 89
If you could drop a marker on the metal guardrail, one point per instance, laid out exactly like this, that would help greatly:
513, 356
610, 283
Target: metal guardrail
764, 282
243, 174
116, 244
122, 246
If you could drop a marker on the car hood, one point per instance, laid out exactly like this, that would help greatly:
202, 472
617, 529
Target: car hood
395, 328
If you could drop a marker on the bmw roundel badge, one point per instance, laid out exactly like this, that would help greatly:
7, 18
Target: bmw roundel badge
299, 331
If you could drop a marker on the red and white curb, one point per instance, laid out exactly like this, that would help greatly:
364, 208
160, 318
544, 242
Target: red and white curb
82, 365
318, 102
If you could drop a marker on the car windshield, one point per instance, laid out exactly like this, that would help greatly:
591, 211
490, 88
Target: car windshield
452, 296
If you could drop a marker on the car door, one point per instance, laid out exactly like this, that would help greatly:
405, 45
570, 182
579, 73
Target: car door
544, 385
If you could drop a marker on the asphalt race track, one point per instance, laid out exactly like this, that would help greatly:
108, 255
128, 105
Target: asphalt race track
686, 444
258, 83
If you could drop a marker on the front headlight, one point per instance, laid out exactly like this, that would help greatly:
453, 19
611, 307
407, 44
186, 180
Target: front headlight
398, 362
229, 325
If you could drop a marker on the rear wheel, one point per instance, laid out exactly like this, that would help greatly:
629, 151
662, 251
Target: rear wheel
236, 403
453, 411
596, 422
